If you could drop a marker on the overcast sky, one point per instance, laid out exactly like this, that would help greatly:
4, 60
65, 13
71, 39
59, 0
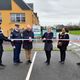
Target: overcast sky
52, 12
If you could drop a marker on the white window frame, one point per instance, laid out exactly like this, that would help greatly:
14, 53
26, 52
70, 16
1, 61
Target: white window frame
21, 15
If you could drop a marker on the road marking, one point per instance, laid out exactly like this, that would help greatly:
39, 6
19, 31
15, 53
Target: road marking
31, 67
76, 44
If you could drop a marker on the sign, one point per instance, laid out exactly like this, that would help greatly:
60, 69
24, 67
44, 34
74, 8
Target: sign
37, 30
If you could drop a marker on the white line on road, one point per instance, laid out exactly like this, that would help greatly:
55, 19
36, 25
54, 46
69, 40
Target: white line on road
76, 44
31, 67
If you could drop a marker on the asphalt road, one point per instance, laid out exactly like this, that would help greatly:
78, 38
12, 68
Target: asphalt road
40, 71
13, 72
56, 71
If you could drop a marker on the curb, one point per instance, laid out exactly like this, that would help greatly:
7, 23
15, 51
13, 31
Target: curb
35, 49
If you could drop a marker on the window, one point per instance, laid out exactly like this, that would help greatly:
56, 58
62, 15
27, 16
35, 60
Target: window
19, 17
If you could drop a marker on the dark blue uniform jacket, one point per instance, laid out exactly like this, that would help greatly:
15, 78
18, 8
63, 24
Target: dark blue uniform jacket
16, 35
2, 38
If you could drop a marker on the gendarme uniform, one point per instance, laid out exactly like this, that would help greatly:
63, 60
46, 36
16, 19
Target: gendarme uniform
2, 38
16, 34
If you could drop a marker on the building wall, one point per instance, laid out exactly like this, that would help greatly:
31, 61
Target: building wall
35, 20
6, 22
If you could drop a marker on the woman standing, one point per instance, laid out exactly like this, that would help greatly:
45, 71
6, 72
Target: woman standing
63, 43
48, 44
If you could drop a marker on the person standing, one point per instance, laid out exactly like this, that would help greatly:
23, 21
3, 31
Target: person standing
16, 34
63, 43
48, 47
28, 44
2, 38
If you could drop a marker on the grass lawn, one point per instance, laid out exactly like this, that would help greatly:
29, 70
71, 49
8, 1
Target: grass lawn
75, 32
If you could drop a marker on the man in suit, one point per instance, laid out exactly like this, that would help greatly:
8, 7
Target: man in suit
16, 34
28, 44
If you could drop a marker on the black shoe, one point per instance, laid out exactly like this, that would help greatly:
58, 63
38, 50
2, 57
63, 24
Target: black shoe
20, 62
2, 65
29, 62
78, 64
16, 63
62, 62
46, 62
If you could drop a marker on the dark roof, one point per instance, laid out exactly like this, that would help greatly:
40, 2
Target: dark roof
5, 4
31, 5
22, 4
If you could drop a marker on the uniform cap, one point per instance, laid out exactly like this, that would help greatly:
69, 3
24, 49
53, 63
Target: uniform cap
17, 25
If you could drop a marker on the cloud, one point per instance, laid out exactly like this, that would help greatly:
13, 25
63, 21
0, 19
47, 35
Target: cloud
59, 11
